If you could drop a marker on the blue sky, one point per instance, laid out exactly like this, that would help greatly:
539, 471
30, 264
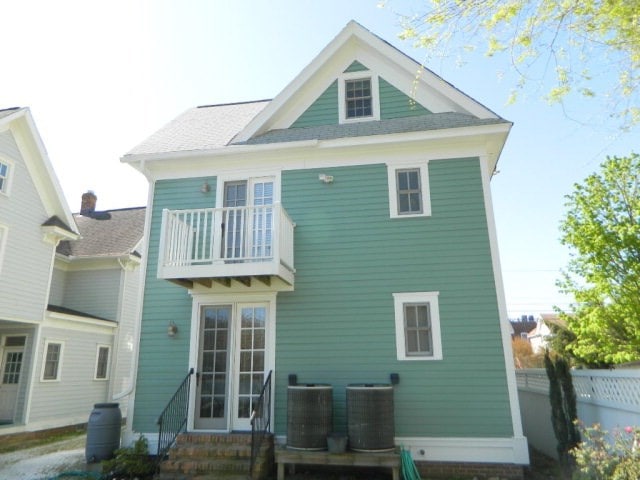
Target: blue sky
101, 76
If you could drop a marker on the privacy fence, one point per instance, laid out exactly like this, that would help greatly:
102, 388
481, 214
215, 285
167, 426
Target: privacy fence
608, 397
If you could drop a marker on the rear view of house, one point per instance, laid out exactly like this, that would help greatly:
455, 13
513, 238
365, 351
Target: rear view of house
69, 292
341, 233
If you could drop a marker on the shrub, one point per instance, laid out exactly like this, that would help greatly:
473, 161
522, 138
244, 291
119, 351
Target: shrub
130, 463
602, 458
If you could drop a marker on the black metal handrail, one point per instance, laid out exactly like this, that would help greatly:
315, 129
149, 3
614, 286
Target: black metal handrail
173, 418
260, 421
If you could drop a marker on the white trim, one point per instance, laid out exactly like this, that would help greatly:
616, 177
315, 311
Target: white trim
355, 42
128, 435
233, 299
425, 191
4, 233
6, 188
45, 350
375, 96
483, 140
505, 326
399, 300
108, 363
467, 449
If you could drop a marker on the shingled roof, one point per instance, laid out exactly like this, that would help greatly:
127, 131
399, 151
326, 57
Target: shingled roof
201, 128
108, 233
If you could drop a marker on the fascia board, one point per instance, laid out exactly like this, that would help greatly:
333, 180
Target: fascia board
297, 83
366, 44
148, 163
32, 147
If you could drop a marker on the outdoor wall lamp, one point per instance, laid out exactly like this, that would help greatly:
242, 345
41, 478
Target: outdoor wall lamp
325, 178
172, 329
205, 188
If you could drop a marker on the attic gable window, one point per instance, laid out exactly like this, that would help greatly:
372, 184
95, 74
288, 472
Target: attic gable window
358, 97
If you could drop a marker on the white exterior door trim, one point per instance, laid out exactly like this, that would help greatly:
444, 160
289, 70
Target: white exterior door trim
233, 299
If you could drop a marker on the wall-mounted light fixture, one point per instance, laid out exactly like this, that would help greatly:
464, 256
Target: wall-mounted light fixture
205, 188
172, 329
325, 178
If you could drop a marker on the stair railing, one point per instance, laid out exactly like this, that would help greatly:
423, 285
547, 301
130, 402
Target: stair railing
260, 421
173, 418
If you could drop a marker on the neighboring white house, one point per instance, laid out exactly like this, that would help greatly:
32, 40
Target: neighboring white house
539, 336
69, 291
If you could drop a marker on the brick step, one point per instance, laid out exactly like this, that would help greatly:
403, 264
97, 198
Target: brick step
205, 438
192, 466
210, 456
201, 450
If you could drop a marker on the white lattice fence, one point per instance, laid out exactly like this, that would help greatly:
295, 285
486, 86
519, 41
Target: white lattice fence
611, 388
608, 397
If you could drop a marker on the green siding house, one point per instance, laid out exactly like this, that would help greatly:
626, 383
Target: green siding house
338, 234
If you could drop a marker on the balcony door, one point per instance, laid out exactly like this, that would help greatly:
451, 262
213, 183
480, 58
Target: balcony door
248, 232
231, 365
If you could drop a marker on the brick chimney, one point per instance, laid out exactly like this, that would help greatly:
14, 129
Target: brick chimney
88, 206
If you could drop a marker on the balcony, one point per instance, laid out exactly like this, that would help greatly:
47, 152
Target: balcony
223, 244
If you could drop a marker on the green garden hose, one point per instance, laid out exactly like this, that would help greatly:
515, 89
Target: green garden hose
409, 470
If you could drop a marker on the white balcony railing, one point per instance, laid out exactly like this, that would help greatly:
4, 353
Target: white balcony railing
226, 242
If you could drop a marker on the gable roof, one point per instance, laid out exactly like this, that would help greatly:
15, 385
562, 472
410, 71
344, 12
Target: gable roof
356, 43
20, 122
227, 128
111, 233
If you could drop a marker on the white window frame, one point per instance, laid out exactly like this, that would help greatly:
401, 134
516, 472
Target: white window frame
6, 185
4, 233
44, 361
425, 193
375, 96
108, 362
399, 301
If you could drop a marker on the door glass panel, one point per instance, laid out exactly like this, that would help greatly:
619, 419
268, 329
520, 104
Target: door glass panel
213, 374
12, 366
262, 220
235, 195
251, 355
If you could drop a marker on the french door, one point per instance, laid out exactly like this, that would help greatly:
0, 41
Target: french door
248, 232
231, 365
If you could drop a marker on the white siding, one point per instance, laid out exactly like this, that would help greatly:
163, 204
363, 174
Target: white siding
27, 258
94, 292
73, 396
58, 281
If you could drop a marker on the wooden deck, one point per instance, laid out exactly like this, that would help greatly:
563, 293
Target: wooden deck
284, 456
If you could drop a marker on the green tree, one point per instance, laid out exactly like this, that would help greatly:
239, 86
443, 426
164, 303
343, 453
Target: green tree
602, 229
592, 46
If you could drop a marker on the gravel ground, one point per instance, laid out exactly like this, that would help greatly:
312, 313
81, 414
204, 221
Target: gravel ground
46, 461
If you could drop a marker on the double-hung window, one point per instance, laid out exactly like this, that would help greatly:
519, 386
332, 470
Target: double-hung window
417, 320
358, 97
409, 194
102, 362
52, 361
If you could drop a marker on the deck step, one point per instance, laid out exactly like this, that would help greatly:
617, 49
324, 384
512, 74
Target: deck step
197, 456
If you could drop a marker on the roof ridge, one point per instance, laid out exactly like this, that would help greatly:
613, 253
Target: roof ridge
234, 103
9, 109
117, 209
